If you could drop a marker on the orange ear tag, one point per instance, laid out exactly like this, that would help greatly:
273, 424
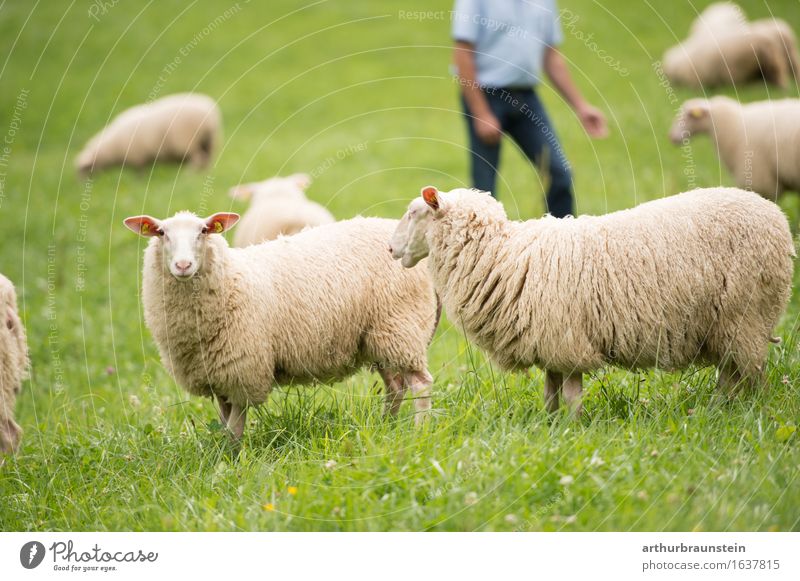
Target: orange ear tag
218, 228
145, 228
696, 113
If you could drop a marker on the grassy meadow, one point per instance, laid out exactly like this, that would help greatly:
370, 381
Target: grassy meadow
358, 94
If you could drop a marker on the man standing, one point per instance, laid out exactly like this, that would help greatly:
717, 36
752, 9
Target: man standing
501, 49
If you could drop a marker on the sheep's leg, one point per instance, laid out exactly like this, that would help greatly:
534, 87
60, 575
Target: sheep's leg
552, 387
573, 391
224, 408
236, 420
420, 384
10, 435
395, 391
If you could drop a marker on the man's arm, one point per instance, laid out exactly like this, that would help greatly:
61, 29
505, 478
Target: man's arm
487, 126
556, 69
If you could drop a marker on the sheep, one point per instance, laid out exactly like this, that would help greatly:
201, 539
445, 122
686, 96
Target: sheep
13, 367
696, 278
723, 48
184, 126
279, 207
230, 323
758, 142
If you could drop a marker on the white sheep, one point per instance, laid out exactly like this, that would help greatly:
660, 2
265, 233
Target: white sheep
279, 207
696, 278
758, 142
13, 367
314, 307
185, 126
723, 47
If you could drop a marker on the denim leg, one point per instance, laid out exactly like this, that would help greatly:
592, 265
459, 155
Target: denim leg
531, 129
483, 158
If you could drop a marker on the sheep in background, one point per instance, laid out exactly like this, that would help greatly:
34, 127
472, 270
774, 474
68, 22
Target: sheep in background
13, 367
758, 142
314, 307
185, 126
697, 278
723, 48
279, 207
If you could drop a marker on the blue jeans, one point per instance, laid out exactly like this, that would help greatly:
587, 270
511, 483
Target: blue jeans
522, 116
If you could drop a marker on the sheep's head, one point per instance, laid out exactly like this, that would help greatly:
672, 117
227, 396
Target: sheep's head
694, 117
293, 186
183, 238
409, 243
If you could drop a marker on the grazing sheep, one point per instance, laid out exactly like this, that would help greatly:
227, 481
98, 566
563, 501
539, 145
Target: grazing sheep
180, 127
279, 207
759, 142
13, 367
697, 278
724, 48
314, 307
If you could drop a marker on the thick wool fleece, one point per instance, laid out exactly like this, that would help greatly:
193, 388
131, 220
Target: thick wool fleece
13, 365
270, 216
313, 307
179, 127
689, 279
723, 48
758, 142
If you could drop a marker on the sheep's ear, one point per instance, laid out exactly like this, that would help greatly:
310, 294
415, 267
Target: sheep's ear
144, 225
303, 180
431, 196
221, 221
241, 192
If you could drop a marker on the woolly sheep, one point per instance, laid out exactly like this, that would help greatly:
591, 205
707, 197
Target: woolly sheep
185, 126
314, 307
723, 47
701, 277
13, 367
279, 207
757, 142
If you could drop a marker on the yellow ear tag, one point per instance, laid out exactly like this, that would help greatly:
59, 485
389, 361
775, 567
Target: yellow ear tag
696, 113
145, 228
218, 227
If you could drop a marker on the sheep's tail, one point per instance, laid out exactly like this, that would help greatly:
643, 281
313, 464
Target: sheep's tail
775, 340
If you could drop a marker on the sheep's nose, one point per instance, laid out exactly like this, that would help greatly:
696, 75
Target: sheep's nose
183, 265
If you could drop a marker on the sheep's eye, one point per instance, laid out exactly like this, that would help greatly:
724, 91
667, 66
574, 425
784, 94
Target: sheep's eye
204, 230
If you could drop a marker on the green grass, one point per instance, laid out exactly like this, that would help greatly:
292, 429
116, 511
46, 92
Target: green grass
111, 442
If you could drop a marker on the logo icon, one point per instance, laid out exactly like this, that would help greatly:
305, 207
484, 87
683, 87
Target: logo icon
31, 555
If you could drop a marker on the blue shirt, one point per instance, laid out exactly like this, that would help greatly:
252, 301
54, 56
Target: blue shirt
510, 38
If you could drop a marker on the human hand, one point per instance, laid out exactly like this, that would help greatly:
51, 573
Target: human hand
593, 121
488, 128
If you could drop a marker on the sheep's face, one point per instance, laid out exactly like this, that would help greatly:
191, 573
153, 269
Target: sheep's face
409, 243
293, 186
183, 238
693, 118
